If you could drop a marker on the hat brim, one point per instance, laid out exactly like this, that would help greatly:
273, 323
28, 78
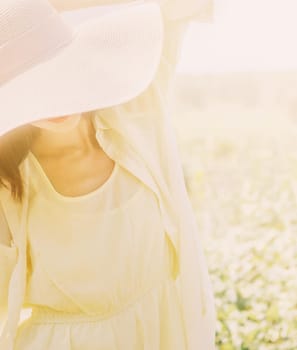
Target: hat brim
112, 59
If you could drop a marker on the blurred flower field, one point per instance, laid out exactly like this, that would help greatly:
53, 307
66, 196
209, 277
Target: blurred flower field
243, 187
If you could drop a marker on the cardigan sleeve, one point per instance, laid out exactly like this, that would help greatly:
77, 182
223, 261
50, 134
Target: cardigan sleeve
177, 14
8, 258
184, 10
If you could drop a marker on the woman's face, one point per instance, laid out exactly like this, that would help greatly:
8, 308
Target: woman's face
58, 124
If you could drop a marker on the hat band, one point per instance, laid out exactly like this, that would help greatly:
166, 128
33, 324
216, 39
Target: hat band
34, 46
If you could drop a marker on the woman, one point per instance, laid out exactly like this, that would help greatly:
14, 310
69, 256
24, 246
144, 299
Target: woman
98, 235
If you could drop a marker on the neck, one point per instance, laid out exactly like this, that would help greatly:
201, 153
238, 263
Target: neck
79, 140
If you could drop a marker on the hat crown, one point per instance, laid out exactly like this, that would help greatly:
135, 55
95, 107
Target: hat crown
20, 16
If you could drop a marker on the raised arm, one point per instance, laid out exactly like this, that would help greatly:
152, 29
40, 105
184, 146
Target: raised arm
177, 15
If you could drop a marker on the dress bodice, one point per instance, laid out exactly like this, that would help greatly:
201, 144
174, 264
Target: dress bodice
96, 252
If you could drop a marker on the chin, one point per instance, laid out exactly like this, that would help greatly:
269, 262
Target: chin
58, 119
59, 124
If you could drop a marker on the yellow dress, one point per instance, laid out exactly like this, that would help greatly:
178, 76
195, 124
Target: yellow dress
100, 269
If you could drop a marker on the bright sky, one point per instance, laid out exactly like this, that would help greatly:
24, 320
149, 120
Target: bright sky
247, 35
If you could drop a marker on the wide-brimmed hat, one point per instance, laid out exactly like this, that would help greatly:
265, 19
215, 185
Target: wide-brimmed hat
50, 68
